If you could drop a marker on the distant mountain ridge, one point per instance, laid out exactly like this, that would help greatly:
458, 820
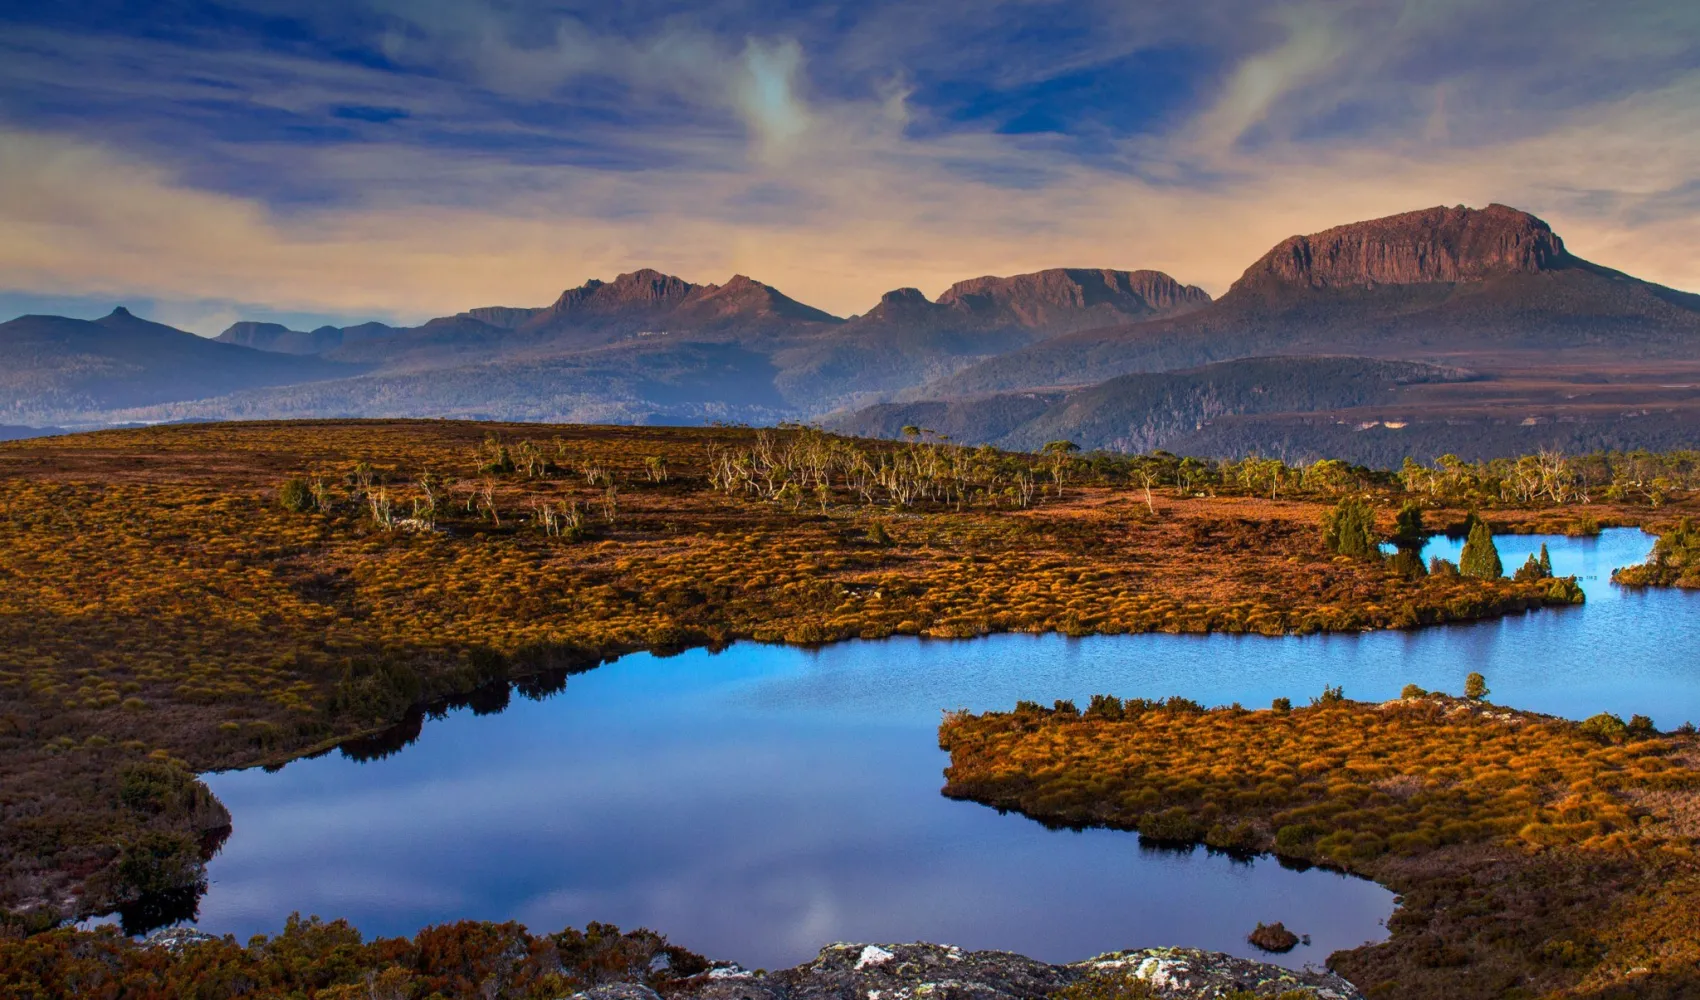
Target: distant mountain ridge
820, 361
1441, 284
1152, 410
281, 339
1322, 336
57, 368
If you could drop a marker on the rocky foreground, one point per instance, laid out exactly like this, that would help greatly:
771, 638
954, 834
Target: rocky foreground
907, 972
940, 972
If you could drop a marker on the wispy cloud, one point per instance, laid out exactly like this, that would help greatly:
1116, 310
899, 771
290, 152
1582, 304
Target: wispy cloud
830, 151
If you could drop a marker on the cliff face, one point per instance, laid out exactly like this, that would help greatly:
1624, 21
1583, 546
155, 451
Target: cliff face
501, 317
1058, 297
651, 296
1435, 245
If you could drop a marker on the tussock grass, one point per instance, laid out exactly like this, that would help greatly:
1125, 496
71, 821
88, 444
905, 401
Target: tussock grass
1532, 853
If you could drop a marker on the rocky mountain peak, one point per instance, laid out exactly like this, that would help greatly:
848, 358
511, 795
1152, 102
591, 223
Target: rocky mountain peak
643, 288
1045, 298
1433, 245
743, 289
900, 297
649, 285
745, 297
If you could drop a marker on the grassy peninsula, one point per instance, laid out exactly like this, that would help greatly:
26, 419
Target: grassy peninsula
1534, 857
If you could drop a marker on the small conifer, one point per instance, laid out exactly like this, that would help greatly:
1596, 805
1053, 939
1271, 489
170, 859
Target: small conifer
1408, 530
1532, 570
1408, 562
1349, 530
1480, 557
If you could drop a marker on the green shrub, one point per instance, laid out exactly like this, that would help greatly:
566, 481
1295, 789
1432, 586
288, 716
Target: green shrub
1533, 569
1480, 558
1294, 837
1173, 825
1349, 530
295, 496
1408, 563
159, 862
1475, 687
1104, 706
1240, 837
1605, 727
379, 690
1408, 530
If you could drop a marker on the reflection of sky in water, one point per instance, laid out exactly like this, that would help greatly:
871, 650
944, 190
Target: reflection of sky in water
758, 803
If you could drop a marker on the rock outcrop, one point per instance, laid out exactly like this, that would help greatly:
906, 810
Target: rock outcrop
1429, 246
1066, 297
649, 295
936, 972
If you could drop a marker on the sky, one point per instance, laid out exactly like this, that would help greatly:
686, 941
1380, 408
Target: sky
343, 160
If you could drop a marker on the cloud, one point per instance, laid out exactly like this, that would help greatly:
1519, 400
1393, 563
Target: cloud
538, 150
1312, 44
766, 95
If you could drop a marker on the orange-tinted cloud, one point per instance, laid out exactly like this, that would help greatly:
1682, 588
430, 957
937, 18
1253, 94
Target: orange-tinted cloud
836, 198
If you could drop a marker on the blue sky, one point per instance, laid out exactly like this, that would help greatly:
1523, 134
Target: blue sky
397, 159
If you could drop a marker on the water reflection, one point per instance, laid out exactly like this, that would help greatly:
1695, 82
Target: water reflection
759, 802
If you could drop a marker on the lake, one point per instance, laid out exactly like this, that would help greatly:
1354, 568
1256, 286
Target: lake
759, 802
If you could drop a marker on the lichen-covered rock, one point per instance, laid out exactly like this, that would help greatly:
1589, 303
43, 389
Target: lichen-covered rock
175, 939
939, 972
1189, 973
618, 991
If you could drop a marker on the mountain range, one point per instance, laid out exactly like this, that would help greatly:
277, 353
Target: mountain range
1447, 329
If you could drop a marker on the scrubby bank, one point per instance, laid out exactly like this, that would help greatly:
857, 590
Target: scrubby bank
317, 960
313, 960
1534, 857
1675, 561
177, 599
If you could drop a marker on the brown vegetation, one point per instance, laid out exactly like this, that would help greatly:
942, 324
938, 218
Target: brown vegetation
1675, 561
193, 597
1534, 856
330, 961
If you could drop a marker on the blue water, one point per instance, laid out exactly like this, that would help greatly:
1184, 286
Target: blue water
758, 803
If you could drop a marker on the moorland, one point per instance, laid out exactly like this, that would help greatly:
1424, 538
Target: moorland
195, 597
1534, 856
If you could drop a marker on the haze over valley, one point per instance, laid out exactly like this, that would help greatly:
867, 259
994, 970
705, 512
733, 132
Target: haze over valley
1470, 331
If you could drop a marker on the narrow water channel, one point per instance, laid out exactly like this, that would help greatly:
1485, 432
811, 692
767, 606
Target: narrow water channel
757, 803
